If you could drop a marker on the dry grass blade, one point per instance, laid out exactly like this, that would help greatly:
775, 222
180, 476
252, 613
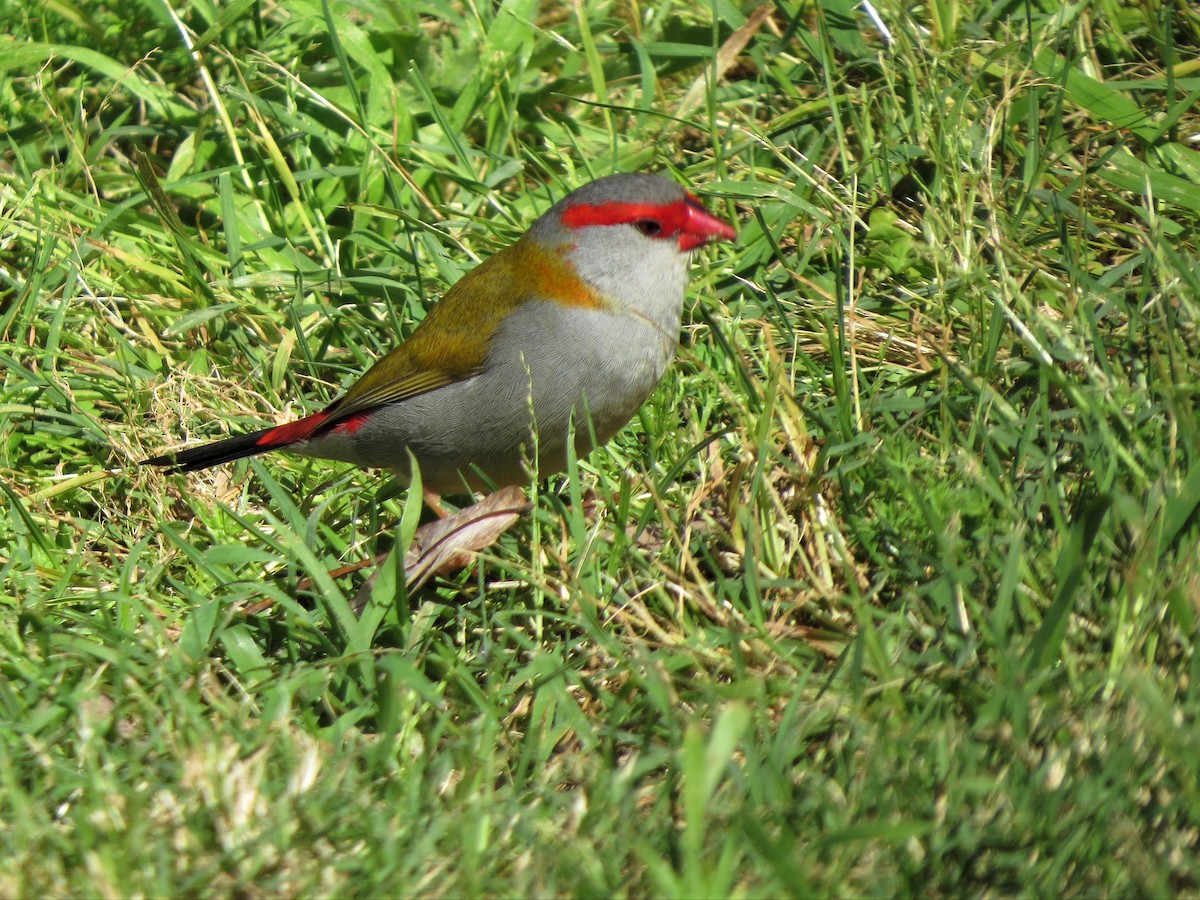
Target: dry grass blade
726, 57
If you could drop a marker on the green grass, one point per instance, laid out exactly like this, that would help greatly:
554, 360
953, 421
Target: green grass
891, 587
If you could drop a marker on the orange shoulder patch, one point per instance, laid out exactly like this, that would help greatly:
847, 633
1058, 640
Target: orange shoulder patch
554, 278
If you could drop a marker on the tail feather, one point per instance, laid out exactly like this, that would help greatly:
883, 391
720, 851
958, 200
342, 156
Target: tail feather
195, 458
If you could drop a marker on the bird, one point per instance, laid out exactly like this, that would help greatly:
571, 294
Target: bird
564, 332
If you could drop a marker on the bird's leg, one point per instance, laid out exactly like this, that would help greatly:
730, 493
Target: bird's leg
434, 501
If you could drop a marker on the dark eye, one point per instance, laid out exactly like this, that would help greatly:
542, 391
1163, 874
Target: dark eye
648, 227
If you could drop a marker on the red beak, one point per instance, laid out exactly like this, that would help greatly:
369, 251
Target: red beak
700, 226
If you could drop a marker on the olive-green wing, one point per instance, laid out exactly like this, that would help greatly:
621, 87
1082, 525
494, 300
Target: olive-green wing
451, 344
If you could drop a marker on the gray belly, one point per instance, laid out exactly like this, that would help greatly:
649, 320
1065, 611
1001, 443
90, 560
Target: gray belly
558, 367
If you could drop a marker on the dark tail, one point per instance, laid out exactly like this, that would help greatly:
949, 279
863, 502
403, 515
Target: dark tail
196, 458
228, 450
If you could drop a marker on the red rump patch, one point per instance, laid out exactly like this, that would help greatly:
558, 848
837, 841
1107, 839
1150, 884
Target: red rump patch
352, 423
293, 432
308, 428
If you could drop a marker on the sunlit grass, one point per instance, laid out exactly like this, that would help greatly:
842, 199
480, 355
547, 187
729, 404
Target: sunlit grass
890, 587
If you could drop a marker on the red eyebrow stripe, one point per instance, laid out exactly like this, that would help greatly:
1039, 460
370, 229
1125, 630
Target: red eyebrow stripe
683, 216
671, 215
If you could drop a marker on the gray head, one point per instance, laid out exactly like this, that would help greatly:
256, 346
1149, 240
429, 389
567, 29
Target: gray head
654, 207
631, 237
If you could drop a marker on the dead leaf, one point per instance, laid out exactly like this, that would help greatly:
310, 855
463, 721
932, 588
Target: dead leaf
451, 543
